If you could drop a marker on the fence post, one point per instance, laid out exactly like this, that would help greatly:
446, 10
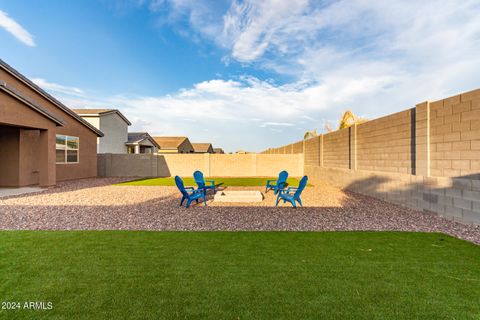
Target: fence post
422, 139
320, 151
352, 131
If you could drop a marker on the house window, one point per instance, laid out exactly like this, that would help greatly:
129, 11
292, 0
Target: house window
67, 149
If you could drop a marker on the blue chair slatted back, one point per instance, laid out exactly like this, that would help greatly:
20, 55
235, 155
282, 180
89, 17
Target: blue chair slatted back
301, 186
181, 186
282, 178
198, 176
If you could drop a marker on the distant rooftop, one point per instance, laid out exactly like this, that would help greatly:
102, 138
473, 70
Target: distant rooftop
98, 112
169, 142
136, 137
202, 146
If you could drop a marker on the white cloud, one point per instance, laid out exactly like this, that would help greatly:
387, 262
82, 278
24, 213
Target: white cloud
243, 113
374, 57
276, 124
16, 29
57, 88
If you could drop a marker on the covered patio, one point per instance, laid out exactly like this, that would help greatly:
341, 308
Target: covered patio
27, 141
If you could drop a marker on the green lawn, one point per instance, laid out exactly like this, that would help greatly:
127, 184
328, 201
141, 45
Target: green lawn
188, 181
239, 275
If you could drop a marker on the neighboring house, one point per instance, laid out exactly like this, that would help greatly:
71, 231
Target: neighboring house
42, 141
141, 142
218, 151
202, 147
114, 126
242, 152
174, 145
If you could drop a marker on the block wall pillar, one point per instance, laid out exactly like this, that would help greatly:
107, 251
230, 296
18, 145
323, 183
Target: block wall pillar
422, 139
353, 147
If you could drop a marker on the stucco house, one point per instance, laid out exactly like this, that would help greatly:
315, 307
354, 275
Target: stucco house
174, 145
114, 126
202, 147
141, 142
42, 141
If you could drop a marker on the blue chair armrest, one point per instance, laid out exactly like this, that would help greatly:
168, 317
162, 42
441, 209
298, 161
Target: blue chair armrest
289, 189
268, 181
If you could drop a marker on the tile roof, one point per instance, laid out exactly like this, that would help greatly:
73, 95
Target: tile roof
169, 142
135, 137
201, 147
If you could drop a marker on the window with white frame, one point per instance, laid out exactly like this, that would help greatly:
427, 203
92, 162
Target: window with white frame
67, 149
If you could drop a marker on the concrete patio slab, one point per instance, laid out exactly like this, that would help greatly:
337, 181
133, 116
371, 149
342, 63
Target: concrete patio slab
8, 192
238, 196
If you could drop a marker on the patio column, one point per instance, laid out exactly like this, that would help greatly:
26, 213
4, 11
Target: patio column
137, 149
46, 157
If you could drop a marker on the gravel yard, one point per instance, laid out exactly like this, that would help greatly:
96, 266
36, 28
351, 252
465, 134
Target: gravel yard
97, 204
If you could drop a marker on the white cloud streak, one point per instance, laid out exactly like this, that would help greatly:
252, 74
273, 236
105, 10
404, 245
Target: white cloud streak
57, 88
14, 28
374, 57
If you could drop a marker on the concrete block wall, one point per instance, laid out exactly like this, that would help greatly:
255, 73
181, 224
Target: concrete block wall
427, 157
385, 144
297, 147
313, 151
453, 198
455, 135
212, 165
336, 149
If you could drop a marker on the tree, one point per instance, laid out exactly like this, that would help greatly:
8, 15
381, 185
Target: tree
310, 134
348, 119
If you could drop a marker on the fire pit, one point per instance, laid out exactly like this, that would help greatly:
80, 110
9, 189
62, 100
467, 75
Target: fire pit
238, 196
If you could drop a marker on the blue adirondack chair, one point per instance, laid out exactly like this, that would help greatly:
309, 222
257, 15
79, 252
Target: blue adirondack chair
202, 183
189, 193
292, 194
278, 184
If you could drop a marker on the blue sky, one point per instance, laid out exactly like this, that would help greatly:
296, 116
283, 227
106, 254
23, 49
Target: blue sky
243, 74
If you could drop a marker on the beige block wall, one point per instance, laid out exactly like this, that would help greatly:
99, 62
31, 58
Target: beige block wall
336, 153
455, 135
212, 165
271, 165
427, 157
385, 144
232, 165
297, 147
184, 164
454, 198
312, 151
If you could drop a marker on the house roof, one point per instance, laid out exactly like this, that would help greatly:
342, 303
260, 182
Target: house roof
201, 147
29, 103
47, 96
170, 142
137, 137
100, 112
218, 150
